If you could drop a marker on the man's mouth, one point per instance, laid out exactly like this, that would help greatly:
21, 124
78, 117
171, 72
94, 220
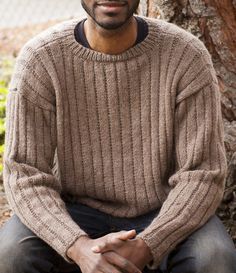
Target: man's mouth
111, 3
111, 6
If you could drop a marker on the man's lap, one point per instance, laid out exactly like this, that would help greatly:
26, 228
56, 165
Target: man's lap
17, 239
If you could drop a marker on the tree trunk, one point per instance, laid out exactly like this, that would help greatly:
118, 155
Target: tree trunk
214, 22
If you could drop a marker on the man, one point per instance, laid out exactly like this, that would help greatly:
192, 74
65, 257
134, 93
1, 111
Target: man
129, 109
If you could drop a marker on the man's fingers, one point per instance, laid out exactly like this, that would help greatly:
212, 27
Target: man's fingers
101, 247
109, 268
113, 240
126, 235
109, 245
121, 262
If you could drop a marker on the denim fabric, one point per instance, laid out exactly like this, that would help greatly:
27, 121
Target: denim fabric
207, 250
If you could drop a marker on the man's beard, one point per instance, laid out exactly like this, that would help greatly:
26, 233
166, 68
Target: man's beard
112, 25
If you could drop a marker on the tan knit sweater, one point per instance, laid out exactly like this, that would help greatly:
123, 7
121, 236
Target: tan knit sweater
132, 133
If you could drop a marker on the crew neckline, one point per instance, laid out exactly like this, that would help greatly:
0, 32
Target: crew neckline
142, 32
85, 53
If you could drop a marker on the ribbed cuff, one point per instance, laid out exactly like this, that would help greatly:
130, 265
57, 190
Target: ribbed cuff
157, 257
70, 243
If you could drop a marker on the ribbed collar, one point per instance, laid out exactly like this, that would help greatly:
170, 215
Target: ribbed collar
88, 54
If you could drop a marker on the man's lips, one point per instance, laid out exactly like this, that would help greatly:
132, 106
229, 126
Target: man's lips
111, 3
111, 6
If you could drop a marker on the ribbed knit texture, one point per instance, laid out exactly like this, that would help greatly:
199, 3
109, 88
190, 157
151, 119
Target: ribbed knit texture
131, 132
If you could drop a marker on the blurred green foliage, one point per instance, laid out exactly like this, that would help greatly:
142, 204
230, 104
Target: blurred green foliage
6, 68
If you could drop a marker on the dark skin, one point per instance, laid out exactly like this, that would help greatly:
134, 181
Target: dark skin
108, 23
114, 253
134, 250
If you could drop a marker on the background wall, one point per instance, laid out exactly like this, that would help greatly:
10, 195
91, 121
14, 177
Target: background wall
17, 13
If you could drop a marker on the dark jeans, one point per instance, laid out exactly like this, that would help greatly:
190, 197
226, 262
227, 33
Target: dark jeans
208, 250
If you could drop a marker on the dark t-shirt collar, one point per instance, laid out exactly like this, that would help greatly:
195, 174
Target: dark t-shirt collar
81, 38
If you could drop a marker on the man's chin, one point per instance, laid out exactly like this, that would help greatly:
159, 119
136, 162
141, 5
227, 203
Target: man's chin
112, 24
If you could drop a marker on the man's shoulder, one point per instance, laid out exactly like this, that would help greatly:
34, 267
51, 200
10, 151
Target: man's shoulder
32, 76
55, 35
170, 30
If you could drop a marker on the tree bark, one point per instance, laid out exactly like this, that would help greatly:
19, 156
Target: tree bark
214, 22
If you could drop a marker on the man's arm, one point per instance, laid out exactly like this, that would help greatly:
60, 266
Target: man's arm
32, 190
31, 187
198, 181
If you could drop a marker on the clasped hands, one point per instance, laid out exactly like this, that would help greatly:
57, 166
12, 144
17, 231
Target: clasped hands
113, 253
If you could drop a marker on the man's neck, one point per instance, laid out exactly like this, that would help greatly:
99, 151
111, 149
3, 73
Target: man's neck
111, 41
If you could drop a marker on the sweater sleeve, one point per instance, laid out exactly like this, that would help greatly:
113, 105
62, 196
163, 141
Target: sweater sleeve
31, 187
198, 181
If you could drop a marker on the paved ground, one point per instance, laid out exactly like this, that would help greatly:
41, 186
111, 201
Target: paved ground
22, 12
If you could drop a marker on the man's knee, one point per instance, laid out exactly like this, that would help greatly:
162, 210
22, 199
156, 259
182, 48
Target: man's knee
216, 251
209, 249
214, 260
22, 251
16, 245
14, 258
